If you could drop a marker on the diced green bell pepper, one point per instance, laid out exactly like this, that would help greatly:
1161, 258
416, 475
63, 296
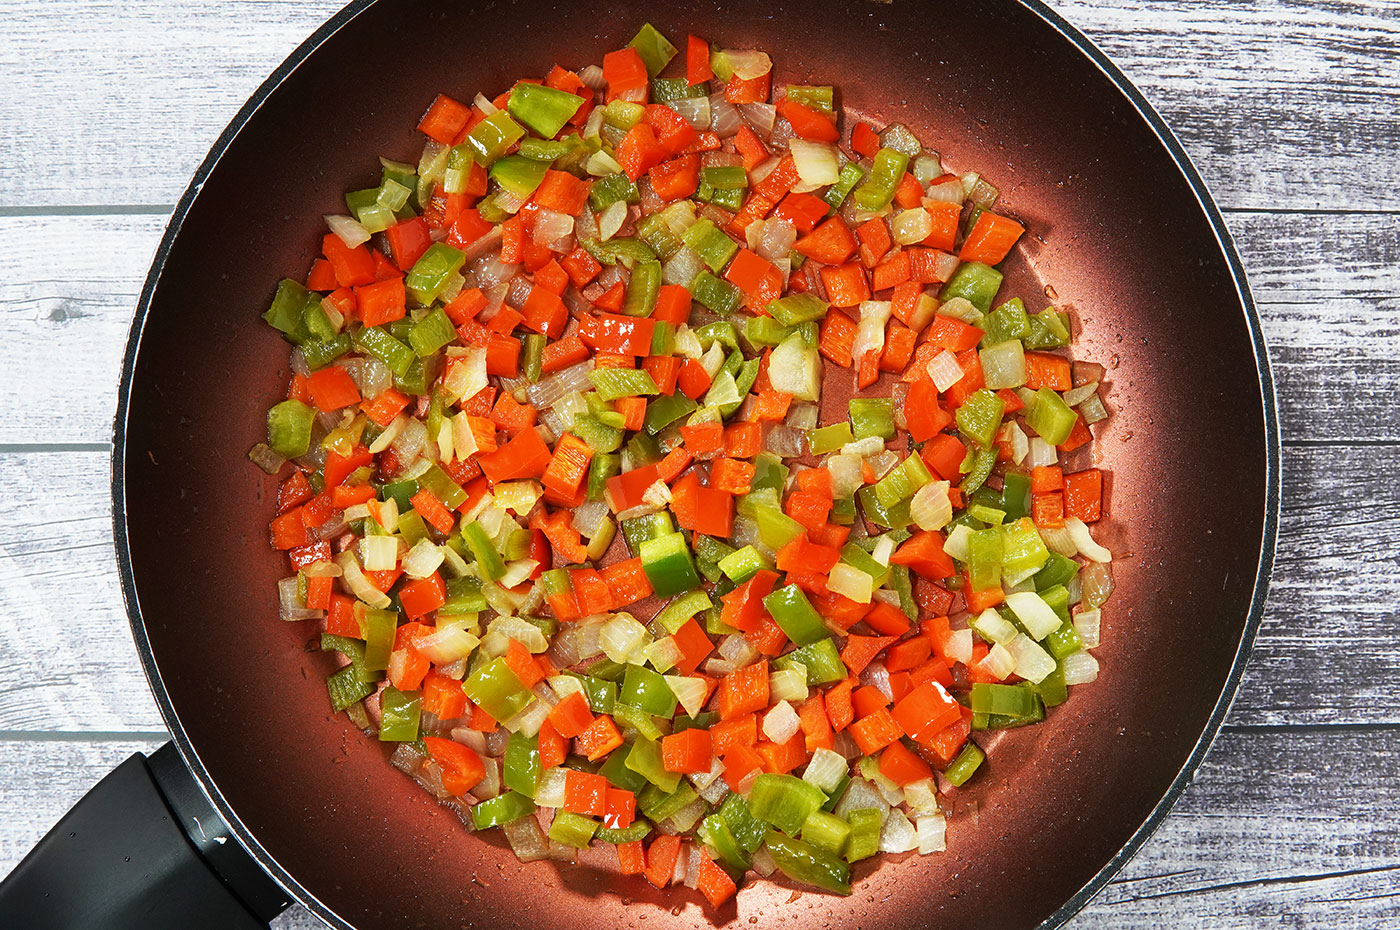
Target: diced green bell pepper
430, 273
645, 689
979, 417
1050, 417
871, 416
289, 428
544, 109
794, 614
668, 565
886, 171
808, 865
520, 770
975, 282
497, 690
821, 660
502, 809
493, 136
645, 760
399, 713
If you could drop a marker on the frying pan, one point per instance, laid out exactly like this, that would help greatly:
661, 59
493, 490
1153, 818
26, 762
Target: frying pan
265, 796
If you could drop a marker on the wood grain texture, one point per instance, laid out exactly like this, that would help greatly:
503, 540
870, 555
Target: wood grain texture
1328, 289
1311, 84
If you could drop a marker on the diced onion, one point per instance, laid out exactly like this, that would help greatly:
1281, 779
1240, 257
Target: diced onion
921, 797
725, 119
999, 662
912, 226
529, 720
825, 770
663, 654
379, 553
1004, 365
694, 110
466, 373
851, 582
870, 333
993, 627
1085, 543
527, 839
781, 723
1080, 668
956, 543
1041, 453
690, 692
551, 226
447, 645
845, 472
788, 684
898, 834
522, 631
1093, 409
932, 834
347, 230
1032, 662
958, 646
761, 116
815, 161
1038, 617
565, 381
786, 441
944, 369
748, 64
611, 220
360, 585
1087, 625
622, 636
860, 795
422, 560
899, 137
931, 508
1097, 583
550, 791
776, 238
737, 650
796, 368
291, 607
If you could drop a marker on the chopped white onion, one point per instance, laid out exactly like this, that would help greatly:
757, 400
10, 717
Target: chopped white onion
611, 220
932, 834
993, 627
526, 839
379, 553
851, 582
958, 646
944, 369
725, 119
898, 834
694, 110
748, 64
1038, 617
861, 795
1097, 582
796, 368
550, 790
931, 508
1087, 624
957, 542
690, 692
1085, 543
1080, 668
737, 650
1032, 662
825, 770
846, 473
781, 723
347, 230
1041, 453
912, 226
291, 607
815, 162
466, 373
788, 684
447, 645
565, 381
422, 560
1004, 365
786, 441
622, 637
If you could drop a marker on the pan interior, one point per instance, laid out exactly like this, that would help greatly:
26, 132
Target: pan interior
1115, 229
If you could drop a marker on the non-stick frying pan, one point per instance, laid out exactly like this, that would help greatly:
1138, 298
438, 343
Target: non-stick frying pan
1122, 229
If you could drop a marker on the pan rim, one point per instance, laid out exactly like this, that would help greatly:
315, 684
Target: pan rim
1160, 130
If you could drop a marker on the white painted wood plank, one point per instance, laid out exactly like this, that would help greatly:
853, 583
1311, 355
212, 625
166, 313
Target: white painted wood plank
1281, 105
1274, 100
1328, 289
1321, 657
1249, 843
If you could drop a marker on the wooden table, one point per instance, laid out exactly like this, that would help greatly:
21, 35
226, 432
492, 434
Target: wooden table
1289, 110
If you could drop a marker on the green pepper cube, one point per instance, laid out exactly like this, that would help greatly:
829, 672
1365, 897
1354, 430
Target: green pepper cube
794, 614
544, 109
521, 769
785, 801
493, 136
864, 841
285, 314
430, 274
668, 564
497, 690
503, 809
886, 172
431, 333
399, 713
974, 282
979, 416
1051, 418
655, 49
646, 689
872, 416
798, 308
570, 829
289, 428
518, 175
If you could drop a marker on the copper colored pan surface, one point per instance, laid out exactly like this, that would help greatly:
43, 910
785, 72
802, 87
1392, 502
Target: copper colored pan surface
1120, 227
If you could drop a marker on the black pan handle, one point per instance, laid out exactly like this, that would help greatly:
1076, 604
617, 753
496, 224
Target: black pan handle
143, 850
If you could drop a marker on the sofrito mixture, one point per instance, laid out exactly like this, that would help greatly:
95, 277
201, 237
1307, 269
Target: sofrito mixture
566, 497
